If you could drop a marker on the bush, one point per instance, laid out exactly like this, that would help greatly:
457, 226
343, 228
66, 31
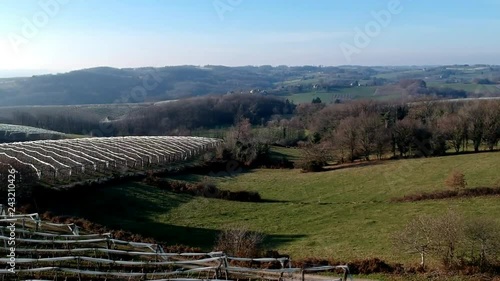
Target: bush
203, 189
458, 243
279, 163
482, 243
314, 157
456, 180
240, 242
445, 194
241, 145
311, 165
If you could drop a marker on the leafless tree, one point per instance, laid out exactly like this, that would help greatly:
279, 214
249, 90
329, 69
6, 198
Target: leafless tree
417, 238
369, 126
474, 115
346, 136
454, 127
440, 236
404, 134
482, 241
314, 156
447, 231
491, 123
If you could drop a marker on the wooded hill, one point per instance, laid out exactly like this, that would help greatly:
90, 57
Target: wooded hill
106, 85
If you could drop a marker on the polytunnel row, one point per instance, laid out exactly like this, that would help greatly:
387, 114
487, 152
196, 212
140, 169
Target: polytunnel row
69, 159
63, 251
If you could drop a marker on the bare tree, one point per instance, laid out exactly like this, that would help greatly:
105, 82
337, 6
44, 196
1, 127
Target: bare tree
242, 132
417, 238
482, 241
404, 134
346, 136
382, 142
440, 236
368, 128
447, 230
474, 115
454, 127
314, 156
491, 132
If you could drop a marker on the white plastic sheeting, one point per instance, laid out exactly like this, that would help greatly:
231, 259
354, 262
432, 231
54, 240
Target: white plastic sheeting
62, 159
45, 253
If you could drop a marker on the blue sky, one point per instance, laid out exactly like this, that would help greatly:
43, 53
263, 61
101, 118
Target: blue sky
74, 34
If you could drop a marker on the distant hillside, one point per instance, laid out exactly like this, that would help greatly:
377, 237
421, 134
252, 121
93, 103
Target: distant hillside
109, 85
106, 85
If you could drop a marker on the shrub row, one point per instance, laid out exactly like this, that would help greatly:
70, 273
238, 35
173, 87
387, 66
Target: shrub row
206, 190
468, 192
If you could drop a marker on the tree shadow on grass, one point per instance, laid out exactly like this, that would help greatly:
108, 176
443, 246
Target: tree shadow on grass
273, 201
131, 201
279, 155
354, 165
275, 241
131, 207
204, 238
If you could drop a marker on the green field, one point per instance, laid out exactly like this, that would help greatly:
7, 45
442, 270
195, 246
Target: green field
292, 153
341, 214
354, 93
101, 111
385, 93
491, 90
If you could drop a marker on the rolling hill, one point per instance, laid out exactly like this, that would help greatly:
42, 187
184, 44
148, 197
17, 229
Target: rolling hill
105, 85
342, 214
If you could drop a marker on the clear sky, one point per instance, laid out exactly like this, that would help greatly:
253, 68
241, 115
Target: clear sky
72, 34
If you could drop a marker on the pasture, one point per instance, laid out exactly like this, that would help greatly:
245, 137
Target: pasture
380, 93
99, 111
343, 214
487, 90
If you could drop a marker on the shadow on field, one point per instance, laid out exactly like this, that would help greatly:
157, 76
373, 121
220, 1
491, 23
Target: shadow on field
354, 165
131, 201
136, 208
275, 241
279, 155
273, 201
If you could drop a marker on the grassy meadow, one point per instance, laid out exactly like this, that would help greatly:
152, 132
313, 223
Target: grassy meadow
491, 90
380, 93
342, 213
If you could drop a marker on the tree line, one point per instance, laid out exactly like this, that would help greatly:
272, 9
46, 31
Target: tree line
172, 118
368, 129
182, 117
345, 132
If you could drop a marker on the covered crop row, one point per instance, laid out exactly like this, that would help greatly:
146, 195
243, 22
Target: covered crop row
50, 251
9, 133
73, 159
